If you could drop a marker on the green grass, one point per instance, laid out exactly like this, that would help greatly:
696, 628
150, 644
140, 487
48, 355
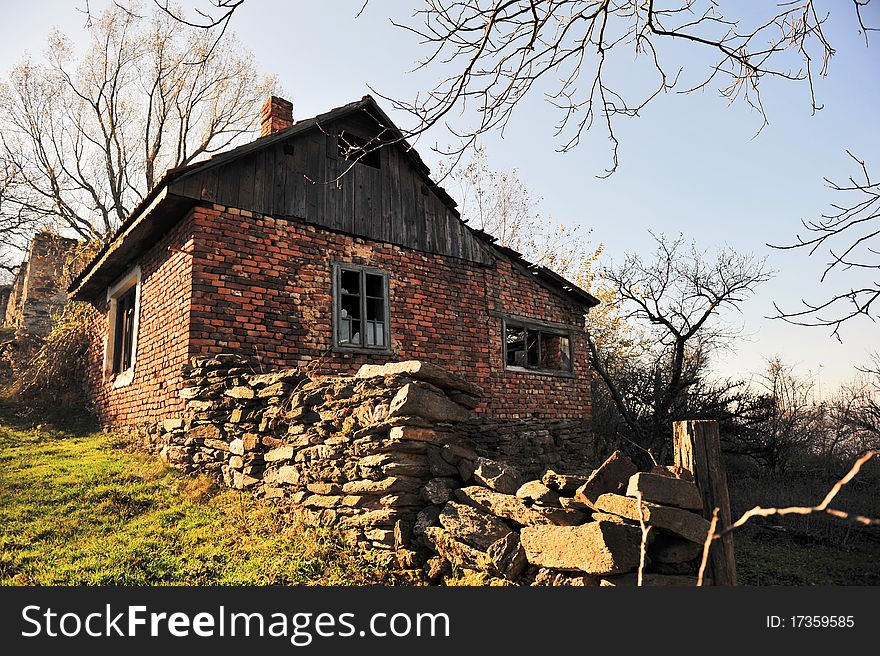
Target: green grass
78, 509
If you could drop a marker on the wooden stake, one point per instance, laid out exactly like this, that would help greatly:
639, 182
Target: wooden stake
698, 449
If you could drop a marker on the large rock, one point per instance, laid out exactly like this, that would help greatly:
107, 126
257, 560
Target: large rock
413, 400
563, 483
456, 552
471, 526
282, 376
611, 476
673, 471
241, 392
560, 516
551, 577
416, 434
426, 517
420, 371
505, 506
285, 452
670, 550
665, 490
595, 548
676, 520
383, 486
204, 432
438, 491
507, 556
496, 475
537, 492
172, 424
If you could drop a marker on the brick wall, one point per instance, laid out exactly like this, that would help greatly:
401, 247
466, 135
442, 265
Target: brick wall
262, 286
162, 344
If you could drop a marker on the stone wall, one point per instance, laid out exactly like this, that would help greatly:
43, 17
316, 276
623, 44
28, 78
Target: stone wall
38, 291
533, 445
386, 455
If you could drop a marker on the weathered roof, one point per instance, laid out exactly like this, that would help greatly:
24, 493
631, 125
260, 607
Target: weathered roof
160, 210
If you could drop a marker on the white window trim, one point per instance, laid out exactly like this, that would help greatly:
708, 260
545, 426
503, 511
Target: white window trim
120, 287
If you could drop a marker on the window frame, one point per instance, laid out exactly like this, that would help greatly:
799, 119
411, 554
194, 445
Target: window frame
359, 149
119, 290
338, 269
558, 330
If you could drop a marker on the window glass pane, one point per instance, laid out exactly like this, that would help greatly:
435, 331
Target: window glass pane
565, 353
350, 282
375, 333
551, 351
118, 335
344, 335
375, 285
516, 350
128, 333
349, 331
349, 307
375, 309
533, 348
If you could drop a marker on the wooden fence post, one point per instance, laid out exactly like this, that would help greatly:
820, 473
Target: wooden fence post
698, 449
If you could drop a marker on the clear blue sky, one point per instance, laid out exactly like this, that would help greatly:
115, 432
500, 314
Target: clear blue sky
689, 164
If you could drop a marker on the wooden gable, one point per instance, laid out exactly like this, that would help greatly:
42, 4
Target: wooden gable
385, 197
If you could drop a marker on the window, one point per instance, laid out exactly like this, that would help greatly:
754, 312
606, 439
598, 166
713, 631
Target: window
536, 347
124, 300
123, 332
358, 149
360, 308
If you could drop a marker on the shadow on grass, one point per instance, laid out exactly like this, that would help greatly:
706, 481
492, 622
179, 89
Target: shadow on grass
73, 422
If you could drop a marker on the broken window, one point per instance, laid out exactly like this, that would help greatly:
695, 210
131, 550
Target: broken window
358, 149
361, 313
123, 299
536, 347
123, 336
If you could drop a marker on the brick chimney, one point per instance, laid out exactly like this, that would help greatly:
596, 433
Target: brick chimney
277, 114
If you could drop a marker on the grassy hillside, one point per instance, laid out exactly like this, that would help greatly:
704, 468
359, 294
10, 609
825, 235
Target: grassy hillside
75, 508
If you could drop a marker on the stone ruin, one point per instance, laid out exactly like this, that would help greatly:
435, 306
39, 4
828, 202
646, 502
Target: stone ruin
384, 455
37, 291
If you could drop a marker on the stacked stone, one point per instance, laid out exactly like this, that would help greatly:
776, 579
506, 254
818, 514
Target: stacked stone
534, 445
366, 452
569, 529
384, 455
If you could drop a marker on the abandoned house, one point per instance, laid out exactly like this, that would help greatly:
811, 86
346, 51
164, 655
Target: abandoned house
325, 243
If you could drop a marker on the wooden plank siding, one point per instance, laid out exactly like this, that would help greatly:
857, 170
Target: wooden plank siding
305, 178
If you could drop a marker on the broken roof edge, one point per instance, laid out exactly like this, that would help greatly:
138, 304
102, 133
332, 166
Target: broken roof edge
564, 285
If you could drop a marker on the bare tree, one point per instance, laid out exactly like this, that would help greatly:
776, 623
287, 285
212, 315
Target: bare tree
849, 235
676, 299
789, 422
84, 139
498, 203
491, 54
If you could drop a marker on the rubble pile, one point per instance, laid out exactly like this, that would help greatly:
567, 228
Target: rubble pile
383, 455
